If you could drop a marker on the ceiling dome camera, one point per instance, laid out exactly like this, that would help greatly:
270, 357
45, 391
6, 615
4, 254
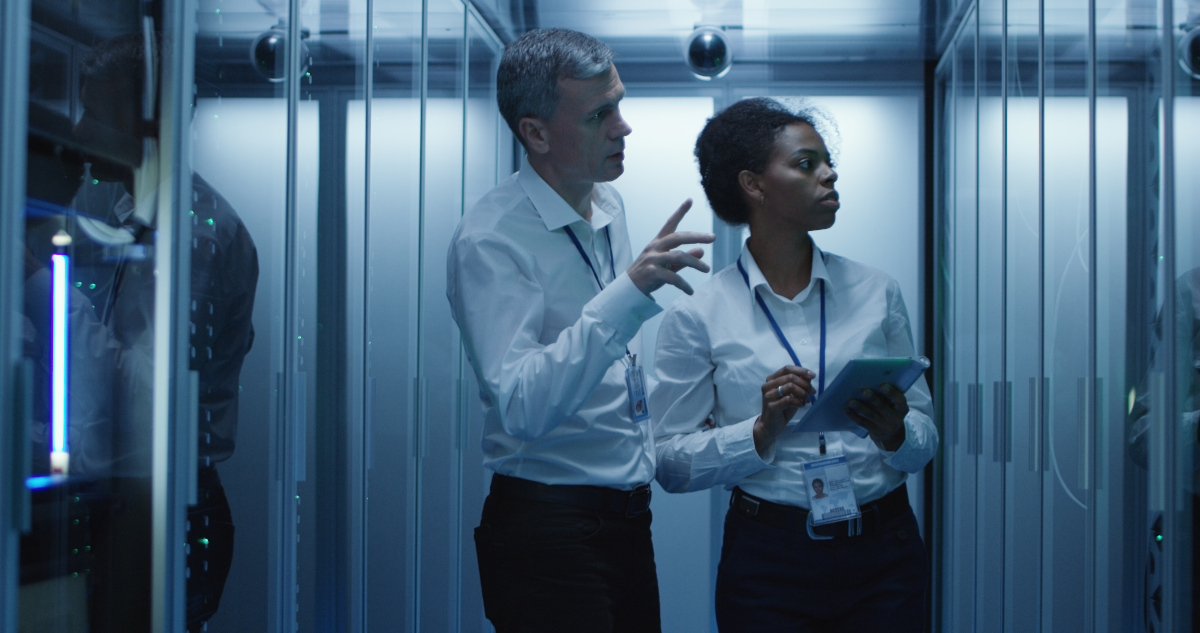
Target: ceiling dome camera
1189, 52
268, 53
707, 53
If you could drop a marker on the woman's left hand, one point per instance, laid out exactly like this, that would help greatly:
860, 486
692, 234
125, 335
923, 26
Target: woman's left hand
881, 412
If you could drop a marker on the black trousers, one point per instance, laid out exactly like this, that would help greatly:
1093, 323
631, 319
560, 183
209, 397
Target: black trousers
209, 549
775, 579
557, 568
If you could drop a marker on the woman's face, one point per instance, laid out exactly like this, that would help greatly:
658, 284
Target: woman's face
796, 188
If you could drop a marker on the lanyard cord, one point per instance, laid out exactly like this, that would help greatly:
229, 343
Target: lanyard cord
588, 260
779, 332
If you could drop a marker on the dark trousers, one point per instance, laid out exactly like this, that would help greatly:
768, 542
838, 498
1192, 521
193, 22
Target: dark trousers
775, 579
557, 568
209, 550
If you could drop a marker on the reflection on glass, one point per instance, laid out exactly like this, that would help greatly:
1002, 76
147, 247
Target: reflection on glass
85, 565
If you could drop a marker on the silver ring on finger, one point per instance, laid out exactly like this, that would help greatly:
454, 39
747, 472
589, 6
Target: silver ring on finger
780, 390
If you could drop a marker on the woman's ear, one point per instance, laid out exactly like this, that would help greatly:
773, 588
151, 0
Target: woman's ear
751, 187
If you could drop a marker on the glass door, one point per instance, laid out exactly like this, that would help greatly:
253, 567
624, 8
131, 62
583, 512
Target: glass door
254, 180
487, 159
1023, 308
438, 484
90, 319
961, 397
390, 230
993, 386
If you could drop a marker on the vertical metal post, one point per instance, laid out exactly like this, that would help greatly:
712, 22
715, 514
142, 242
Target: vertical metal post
1173, 596
360, 484
14, 73
420, 395
1041, 299
283, 590
172, 463
1090, 420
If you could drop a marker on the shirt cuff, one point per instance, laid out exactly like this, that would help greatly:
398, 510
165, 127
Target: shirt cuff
739, 444
907, 452
624, 307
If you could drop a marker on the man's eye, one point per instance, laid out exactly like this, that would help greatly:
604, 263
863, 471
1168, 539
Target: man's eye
805, 164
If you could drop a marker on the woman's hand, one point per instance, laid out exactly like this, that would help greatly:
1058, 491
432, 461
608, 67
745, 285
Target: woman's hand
881, 412
783, 393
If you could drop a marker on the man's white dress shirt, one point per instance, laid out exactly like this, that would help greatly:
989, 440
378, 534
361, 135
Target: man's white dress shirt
716, 349
547, 345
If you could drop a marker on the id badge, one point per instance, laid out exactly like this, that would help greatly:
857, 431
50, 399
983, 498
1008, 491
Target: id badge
635, 380
830, 490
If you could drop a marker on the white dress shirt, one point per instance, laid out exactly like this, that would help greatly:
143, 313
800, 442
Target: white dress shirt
716, 349
547, 345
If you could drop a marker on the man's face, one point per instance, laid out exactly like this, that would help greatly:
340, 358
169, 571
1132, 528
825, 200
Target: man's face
586, 135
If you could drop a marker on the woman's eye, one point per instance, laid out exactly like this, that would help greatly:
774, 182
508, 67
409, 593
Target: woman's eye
805, 164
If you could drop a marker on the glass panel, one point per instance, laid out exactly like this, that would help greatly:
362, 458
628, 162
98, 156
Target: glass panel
1185, 348
1126, 136
992, 382
961, 401
1067, 501
488, 158
392, 301
439, 567
88, 318
254, 261
1024, 473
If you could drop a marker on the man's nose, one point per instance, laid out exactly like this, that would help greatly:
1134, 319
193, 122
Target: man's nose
621, 127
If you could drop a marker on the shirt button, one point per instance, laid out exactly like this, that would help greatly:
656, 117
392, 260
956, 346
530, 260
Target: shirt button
804, 341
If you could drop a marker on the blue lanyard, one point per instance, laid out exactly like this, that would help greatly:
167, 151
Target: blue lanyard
779, 332
588, 260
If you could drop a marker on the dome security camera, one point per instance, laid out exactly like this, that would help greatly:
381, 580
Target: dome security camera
707, 53
1189, 52
268, 53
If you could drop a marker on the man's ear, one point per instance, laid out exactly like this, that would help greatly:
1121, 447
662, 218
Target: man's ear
537, 137
751, 186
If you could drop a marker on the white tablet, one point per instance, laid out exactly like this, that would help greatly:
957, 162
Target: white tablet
829, 412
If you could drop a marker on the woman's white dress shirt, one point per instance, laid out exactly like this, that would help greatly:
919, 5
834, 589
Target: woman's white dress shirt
716, 349
547, 345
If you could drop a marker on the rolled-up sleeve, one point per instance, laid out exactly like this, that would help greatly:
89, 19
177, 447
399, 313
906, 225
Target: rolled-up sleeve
691, 455
499, 306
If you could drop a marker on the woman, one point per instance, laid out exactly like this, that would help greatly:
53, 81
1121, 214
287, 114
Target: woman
718, 422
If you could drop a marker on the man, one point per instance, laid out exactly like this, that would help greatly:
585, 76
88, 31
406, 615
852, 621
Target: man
223, 281
533, 283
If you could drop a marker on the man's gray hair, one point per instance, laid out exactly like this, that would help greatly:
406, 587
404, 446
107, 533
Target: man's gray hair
527, 82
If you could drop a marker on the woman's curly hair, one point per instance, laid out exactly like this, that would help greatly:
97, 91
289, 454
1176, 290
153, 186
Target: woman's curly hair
740, 138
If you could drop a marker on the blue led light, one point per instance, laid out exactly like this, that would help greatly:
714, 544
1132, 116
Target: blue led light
60, 267
43, 481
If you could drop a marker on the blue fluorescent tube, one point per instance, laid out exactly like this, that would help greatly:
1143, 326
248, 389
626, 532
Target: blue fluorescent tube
60, 269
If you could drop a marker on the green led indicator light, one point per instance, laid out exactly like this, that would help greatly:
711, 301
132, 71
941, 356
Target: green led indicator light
204, 542
1158, 538
210, 222
92, 286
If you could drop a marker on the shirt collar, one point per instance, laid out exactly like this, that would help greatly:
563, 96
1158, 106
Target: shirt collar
555, 211
819, 271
